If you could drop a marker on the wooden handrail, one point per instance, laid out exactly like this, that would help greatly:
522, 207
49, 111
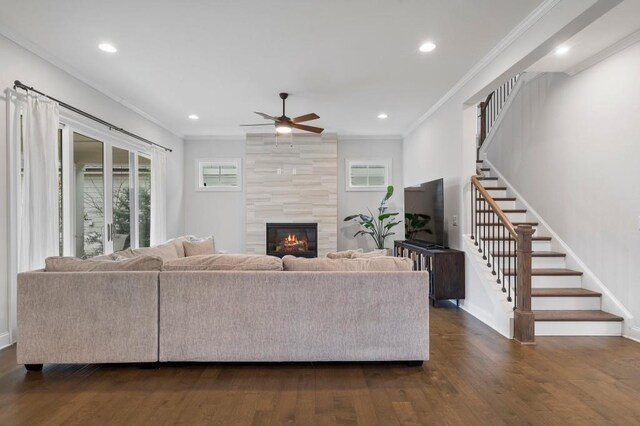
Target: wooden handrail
485, 104
494, 206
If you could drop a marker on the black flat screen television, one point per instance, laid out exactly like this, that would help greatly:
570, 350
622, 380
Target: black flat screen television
424, 213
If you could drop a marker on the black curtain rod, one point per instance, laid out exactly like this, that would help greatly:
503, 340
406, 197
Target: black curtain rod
19, 85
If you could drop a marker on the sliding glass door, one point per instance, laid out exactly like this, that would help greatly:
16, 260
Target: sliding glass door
105, 194
89, 196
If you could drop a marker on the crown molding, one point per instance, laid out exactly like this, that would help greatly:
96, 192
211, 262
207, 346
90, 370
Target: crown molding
372, 138
513, 35
215, 138
11, 35
605, 53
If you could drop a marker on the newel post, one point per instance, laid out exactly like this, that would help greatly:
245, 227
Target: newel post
523, 318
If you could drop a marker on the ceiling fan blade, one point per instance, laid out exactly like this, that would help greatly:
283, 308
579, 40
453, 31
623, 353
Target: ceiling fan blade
265, 116
307, 128
262, 124
306, 117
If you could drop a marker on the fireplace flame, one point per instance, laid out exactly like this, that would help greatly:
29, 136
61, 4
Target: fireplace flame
292, 238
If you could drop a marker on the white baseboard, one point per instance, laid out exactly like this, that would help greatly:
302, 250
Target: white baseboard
5, 340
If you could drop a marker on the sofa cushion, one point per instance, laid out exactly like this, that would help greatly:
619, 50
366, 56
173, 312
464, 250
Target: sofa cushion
346, 254
200, 247
166, 251
73, 264
370, 254
225, 262
386, 263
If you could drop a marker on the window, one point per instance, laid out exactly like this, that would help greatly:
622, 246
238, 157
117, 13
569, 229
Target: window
144, 201
219, 174
368, 175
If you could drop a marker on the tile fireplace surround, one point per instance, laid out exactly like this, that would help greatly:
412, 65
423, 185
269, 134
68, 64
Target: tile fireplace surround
295, 181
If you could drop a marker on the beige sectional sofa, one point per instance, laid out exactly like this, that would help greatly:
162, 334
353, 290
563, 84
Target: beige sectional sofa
186, 314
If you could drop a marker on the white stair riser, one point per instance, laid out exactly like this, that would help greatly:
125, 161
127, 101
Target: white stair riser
490, 183
497, 193
562, 281
504, 204
536, 262
565, 303
492, 231
578, 328
517, 217
548, 262
535, 245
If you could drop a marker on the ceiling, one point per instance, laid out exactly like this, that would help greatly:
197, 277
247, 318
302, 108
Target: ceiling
347, 61
612, 27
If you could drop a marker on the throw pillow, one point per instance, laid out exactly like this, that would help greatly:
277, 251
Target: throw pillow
346, 254
370, 254
198, 248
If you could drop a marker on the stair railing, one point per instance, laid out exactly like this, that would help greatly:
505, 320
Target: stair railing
497, 239
489, 110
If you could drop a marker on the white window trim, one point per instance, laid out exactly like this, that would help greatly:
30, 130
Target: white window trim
235, 161
386, 162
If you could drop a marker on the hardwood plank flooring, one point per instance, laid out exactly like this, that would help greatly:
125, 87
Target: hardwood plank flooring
474, 376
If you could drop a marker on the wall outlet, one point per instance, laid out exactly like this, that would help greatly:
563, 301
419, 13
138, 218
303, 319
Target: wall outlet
279, 171
454, 220
294, 172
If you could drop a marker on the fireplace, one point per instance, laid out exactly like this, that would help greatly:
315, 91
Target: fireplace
296, 239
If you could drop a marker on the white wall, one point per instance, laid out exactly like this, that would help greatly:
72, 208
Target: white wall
353, 202
571, 147
222, 214
20, 64
218, 213
442, 143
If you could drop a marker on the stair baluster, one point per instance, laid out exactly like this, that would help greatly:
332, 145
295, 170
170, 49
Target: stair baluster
494, 229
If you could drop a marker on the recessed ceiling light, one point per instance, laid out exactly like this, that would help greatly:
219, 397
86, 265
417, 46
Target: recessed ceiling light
562, 50
193, 117
382, 116
106, 47
427, 46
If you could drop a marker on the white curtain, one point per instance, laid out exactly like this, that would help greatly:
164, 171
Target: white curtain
158, 196
36, 122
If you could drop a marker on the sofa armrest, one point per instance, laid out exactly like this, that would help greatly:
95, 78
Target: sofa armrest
87, 317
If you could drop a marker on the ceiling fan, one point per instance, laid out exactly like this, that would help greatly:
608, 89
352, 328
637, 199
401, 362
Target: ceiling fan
285, 124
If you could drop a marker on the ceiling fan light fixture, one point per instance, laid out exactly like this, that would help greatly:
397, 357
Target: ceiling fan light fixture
283, 129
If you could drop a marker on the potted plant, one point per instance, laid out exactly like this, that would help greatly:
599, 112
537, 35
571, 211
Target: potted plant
377, 226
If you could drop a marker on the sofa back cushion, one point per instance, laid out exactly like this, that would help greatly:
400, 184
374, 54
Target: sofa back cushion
199, 247
346, 254
370, 254
386, 263
225, 262
73, 264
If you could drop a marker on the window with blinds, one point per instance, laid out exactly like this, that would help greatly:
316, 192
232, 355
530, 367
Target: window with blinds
224, 174
368, 175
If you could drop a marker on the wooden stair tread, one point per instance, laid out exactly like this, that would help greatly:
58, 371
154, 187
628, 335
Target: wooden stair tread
563, 292
569, 315
479, 161
533, 254
495, 188
487, 178
513, 223
548, 272
485, 169
498, 199
503, 210
534, 238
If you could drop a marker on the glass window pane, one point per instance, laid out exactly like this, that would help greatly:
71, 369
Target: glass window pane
88, 158
144, 201
121, 177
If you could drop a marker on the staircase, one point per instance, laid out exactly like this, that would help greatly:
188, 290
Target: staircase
559, 303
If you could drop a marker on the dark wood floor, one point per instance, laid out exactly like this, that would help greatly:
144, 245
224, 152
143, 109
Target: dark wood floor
474, 376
